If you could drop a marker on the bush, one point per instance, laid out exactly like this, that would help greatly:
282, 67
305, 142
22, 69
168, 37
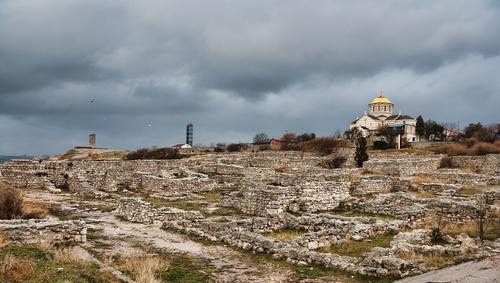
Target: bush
447, 162
154, 153
11, 202
236, 147
478, 148
381, 145
334, 163
324, 146
484, 148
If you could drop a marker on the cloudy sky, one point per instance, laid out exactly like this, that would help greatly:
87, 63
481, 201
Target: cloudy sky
136, 72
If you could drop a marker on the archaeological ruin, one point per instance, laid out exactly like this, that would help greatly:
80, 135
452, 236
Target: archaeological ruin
398, 216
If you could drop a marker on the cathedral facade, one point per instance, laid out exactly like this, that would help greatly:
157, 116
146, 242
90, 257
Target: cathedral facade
380, 114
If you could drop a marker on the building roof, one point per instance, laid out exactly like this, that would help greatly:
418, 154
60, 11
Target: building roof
399, 117
373, 117
381, 99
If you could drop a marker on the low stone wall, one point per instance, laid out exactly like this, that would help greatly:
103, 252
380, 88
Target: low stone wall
107, 176
248, 234
309, 191
53, 232
485, 164
375, 184
403, 165
456, 176
139, 211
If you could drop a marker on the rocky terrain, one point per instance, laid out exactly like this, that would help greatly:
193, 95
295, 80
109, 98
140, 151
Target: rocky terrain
266, 216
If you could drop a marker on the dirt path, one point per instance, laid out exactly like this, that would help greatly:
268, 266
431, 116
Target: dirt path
484, 271
114, 236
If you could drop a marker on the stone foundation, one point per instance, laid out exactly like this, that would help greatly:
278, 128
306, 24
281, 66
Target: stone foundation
53, 232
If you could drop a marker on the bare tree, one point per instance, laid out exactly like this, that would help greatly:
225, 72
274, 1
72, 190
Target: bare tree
260, 137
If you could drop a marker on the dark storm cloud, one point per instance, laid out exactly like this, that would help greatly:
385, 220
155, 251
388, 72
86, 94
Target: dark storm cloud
136, 72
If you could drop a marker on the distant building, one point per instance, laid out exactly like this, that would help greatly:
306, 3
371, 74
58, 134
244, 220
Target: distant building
189, 134
182, 146
452, 134
274, 144
380, 115
92, 140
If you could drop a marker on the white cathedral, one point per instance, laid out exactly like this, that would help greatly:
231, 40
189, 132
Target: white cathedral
381, 114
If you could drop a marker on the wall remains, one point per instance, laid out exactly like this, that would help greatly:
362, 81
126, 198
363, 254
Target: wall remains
403, 165
139, 211
485, 164
53, 232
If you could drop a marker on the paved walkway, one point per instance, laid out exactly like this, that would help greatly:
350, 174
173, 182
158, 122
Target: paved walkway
487, 270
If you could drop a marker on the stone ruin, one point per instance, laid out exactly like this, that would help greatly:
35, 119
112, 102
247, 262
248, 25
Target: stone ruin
395, 195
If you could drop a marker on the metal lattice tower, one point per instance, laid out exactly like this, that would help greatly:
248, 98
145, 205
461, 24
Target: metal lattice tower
189, 134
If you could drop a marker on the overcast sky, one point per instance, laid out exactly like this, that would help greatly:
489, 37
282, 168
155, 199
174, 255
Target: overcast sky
136, 72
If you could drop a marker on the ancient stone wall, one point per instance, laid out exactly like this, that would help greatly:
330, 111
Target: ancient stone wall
92, 176
309, 190
53, 232
136, 210
402, 165
486, 164
373, 184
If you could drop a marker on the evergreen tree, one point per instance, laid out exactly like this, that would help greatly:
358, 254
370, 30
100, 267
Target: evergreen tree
420, 128
361, 155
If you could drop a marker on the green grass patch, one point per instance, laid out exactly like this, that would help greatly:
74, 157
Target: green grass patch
300, 272
211, 196
187, 269
358, 248
467, 191
315, 271
286, 234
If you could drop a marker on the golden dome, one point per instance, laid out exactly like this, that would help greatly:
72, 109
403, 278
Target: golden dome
381, 99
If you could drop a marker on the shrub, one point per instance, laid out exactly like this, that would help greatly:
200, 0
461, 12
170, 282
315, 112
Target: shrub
324, 146
447, 162
478, 148
483, 148
334, 163
154, 153
11, 202
361, 156
236, 147
34, 210
381, 145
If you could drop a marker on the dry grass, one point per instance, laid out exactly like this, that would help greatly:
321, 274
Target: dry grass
491, 229
358, 248
11, 202
144, 269
479, 148
67, 255
109, 155
212, 197
422, 179
34, 210
469, 191
284, 169
422, 194
428, 260
4, 240
285, 234
16, 270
